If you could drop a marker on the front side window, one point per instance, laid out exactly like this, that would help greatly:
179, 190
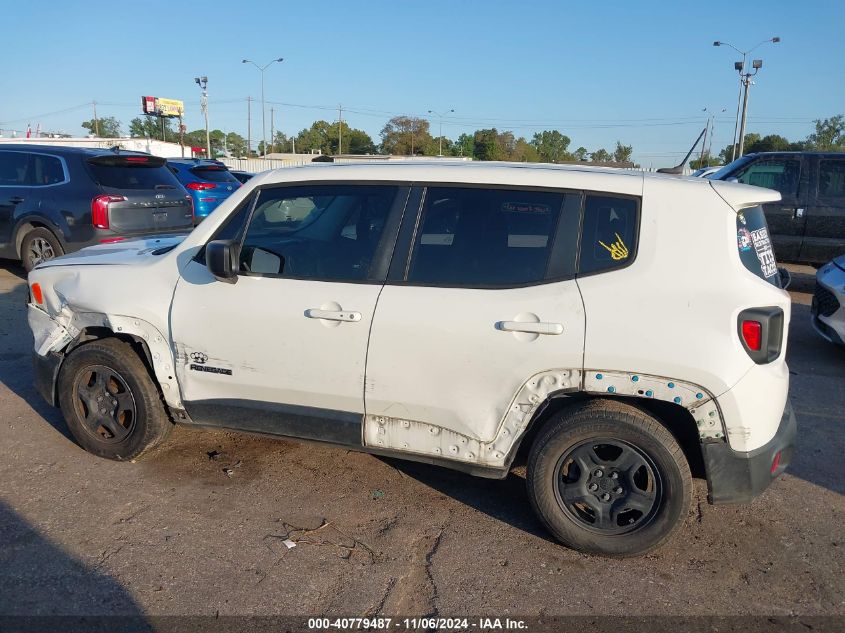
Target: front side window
325, 232
832, 178
609, 233
13, 168
475, 237
779, 174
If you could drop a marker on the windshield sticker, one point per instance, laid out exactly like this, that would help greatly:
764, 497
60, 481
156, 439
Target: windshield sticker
617, 249
743, 240
526, 207
765, 253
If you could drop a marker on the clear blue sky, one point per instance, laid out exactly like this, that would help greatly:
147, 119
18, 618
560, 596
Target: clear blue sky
639, 72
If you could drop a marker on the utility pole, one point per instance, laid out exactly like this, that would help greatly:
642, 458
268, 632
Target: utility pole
440, 115
744, 81
202, 82
340, 129
272, 138
96, 120
248, 126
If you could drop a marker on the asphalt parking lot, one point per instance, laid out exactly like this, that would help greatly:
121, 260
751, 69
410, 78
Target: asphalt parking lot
200, 528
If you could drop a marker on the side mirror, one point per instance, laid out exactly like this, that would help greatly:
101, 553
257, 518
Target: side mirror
221, 258
785, 278
732, 179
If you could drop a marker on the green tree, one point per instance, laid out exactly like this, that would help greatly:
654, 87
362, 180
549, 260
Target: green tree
485, 145
706, 161
463, 146
829, 135
357, 141
622, 153
405, 136
601, 156
580, 154
552, 146
150, 127
108, 127
236, 144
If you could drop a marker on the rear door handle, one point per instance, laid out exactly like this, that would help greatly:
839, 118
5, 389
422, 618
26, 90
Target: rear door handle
16, 200
530, 327
333, 315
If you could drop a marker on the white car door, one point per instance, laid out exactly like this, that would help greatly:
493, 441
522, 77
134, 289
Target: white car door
486, 304
283, 349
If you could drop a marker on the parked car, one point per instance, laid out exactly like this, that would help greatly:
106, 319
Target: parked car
626, 327
705, 172
242, 176
828, 310
808, 223
208, 181
56, 200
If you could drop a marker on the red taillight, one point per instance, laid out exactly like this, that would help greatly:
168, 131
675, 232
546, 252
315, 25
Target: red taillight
775, 462
100, 210
752, 334
201, 186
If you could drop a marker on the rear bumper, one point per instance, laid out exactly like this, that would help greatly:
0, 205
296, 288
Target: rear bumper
45, 370
737, 477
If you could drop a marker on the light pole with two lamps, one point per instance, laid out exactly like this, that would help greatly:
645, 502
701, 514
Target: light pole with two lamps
440, 132
262, 69
202, 82
744, 82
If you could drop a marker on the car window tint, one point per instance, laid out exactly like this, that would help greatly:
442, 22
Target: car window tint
129, 176
46, 170
832, 178
13, 168
608, 234
214, 174
327, 232
478, 237
776, 173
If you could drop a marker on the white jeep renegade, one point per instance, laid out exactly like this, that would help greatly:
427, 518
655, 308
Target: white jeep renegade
628, 329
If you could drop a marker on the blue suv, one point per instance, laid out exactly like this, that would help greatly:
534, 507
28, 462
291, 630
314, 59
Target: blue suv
208, 181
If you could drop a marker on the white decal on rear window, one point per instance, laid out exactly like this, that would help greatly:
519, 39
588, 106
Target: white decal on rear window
765, 253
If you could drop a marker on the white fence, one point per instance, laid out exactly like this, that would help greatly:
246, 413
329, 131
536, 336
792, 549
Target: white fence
256, 165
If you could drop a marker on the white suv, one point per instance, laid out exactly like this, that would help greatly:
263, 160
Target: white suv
626, 328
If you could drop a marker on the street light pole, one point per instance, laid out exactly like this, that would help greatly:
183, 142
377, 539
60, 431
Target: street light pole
744, 81
263, 108
202, 82
440, 130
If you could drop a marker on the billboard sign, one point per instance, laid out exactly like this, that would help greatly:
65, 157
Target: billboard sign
159, 106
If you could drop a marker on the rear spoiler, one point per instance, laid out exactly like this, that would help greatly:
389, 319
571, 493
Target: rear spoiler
127, 160
740, 196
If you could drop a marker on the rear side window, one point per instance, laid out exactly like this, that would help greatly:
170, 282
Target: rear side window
609, 233
118, 174
832, 178
755, 245
46, 170
214, 174
780, 174
13, 167
475, 237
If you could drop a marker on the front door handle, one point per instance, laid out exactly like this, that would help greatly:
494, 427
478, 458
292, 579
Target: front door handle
333, 315
16, 200
530, 327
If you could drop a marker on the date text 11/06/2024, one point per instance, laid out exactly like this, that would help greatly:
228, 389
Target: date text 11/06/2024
440, 624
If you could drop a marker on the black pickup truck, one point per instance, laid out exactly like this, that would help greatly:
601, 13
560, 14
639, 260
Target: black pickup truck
808, 224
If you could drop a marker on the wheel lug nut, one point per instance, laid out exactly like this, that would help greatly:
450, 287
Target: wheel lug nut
618, 490
605, 497
614, 475
594, 487
598, 472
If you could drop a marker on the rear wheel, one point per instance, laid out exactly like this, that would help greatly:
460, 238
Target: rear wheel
39, 245
110, 403
607, 478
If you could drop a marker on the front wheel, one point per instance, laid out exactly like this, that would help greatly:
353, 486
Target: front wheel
109, 401
607, 478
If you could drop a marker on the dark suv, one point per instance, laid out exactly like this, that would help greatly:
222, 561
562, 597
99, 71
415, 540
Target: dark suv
808, 224
54, 200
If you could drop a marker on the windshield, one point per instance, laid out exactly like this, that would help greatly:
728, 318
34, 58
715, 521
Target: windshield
728, 170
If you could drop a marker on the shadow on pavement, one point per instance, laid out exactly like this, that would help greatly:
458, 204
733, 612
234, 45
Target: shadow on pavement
38, 579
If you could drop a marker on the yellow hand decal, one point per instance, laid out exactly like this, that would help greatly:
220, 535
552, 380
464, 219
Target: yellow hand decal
617, 250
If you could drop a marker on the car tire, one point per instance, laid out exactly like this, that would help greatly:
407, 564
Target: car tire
39, 245
109, 401
607, 478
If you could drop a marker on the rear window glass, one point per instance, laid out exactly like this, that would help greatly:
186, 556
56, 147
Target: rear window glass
755, 246
609, 234
133, 176
214, 174
47, 170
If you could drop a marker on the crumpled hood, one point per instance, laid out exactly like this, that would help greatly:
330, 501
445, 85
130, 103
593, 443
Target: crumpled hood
128, 252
